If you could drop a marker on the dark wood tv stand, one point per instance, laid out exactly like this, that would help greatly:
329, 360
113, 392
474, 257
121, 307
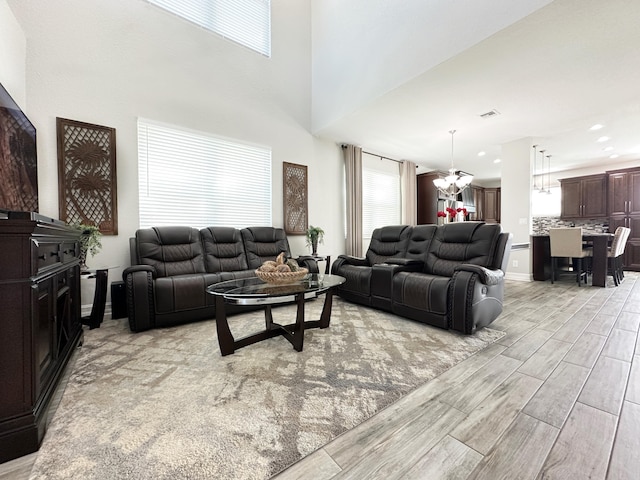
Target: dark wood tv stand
39, 323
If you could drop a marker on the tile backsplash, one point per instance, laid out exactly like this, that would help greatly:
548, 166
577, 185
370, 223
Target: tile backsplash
541, 225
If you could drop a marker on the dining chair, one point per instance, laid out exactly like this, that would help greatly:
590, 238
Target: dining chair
567, 243
620, 237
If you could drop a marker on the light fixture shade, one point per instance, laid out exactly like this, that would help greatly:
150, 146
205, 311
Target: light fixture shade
464, 181
451, 179
440, 183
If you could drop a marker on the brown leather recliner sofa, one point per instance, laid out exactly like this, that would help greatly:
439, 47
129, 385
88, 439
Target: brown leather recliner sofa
450, 276
173, 266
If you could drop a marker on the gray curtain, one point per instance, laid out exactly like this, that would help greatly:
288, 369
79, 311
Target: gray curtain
409, 193
353, 178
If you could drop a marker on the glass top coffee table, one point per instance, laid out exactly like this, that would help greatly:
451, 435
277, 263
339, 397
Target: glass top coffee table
255, 292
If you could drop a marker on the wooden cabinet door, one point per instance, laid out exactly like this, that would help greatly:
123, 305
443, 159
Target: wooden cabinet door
594, 197
618, 194
478, 198
633, 205
571, 193
491, 205
43, 334
632, 256
632, 249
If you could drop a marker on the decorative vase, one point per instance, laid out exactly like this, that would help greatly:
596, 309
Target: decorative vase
314, 246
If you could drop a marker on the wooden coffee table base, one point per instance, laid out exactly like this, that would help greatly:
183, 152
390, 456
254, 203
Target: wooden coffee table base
293, 332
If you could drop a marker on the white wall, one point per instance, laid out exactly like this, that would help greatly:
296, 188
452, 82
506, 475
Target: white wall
515, 215
110, 62
12, 56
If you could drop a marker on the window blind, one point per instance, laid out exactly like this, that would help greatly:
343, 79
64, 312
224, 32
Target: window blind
380, 201
197, 179
247, 22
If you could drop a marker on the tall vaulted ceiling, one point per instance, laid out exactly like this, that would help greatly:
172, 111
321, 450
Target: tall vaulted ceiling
396, 77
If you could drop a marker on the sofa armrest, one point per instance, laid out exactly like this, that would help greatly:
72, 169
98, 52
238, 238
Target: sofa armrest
138, 281
358, 261
309, 263
138, 268
347, 260
382, 275
475, 297
412, 264
487, 277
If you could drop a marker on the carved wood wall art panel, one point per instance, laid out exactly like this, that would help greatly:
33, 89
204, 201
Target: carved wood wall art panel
87, 175
294, 181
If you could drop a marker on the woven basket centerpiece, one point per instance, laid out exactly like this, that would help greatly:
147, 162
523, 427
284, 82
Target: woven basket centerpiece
281, 278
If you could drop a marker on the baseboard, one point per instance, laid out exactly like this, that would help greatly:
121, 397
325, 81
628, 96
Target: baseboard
519, 277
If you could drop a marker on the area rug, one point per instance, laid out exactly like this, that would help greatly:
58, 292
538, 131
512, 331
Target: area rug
164, 404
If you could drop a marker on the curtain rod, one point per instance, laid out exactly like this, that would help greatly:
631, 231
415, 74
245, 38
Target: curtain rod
344, 145
381, 157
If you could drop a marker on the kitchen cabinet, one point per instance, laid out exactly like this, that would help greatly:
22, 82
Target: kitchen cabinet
624, 210
491, 205
427, 195
39, 323
430, 200
478, 200
584, 197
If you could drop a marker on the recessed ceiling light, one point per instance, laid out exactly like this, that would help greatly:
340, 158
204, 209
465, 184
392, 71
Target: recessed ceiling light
497, 160
597, 126
603, 139
608, 149
615, 155
482, 154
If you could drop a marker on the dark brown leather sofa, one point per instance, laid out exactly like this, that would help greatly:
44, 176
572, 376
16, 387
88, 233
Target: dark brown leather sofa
450, 276
173, 266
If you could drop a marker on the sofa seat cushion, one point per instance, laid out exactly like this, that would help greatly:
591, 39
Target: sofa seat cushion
184, 292
358, 279
421, 291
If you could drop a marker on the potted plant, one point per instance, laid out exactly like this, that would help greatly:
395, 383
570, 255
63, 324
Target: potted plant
314, 235
89, 242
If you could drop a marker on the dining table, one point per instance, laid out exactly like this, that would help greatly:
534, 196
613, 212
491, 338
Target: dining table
599, 262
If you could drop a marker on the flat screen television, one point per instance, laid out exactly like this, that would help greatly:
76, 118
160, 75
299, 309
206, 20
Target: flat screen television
18, 161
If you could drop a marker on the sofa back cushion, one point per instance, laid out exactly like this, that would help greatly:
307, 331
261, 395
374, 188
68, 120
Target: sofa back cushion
463, 242
223, 249
420, 241
171, 250
264, 243
387, 242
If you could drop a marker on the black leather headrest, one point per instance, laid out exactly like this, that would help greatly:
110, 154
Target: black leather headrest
222, 234
460, 232
392, 233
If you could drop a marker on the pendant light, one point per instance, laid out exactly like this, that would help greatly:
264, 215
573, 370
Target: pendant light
452, 184
535, 168
543, 175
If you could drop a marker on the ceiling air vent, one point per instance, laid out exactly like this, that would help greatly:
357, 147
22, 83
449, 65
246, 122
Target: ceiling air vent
490, 113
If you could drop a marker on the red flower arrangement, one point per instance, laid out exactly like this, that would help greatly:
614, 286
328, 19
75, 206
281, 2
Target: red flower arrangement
452, 211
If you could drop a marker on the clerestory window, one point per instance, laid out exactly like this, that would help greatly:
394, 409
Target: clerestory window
247, 22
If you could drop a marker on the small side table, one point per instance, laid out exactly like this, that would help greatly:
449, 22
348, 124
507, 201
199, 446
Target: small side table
323, 258
101, 274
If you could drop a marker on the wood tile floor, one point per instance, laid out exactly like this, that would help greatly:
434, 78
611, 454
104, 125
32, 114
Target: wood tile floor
558, 397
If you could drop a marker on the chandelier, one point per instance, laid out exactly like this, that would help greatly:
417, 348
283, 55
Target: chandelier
452, 184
